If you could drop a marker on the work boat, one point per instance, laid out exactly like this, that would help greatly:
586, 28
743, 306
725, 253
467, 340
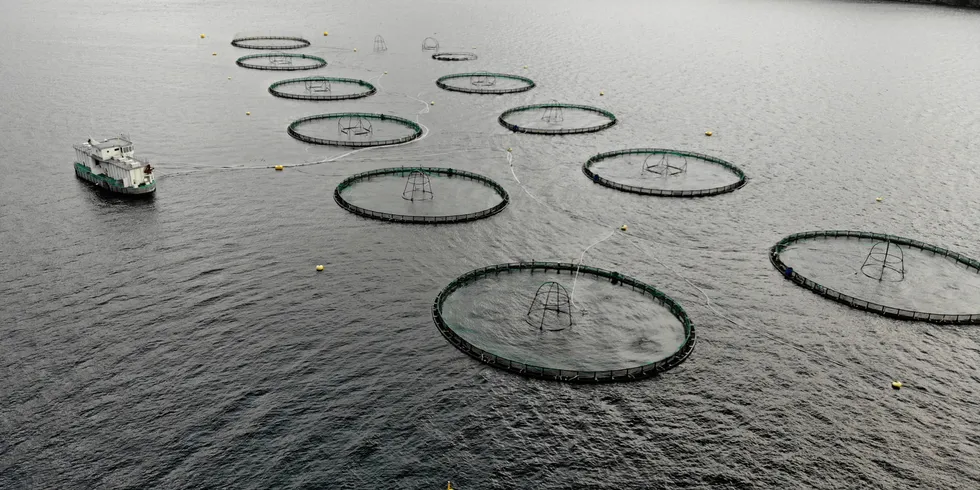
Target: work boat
111, 165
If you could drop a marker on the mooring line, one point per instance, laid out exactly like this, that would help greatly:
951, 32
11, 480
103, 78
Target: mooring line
571, 296
425, 133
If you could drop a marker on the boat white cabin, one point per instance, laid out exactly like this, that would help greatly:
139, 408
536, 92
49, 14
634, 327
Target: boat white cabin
112, 164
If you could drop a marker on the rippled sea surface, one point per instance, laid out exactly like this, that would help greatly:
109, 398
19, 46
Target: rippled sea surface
187, 342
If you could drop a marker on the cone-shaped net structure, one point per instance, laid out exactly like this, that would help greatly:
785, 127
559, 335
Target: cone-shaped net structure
354, 126
483, 80
551, 308
885, 262
430, 44
553, 115
317, 85
418, 187
665, 164
280, 59
379, 44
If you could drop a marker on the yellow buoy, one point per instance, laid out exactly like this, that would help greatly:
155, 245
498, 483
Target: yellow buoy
324, 33
229, 78
386, 73
879, 199
433, 102
248, 113
508, 149
214, 54
319, 268
355, 50
203, 36
525, 67
708, 133
601, 93
897, 385
279, 168
623, 228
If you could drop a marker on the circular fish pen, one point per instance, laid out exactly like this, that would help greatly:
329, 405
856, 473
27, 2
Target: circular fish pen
322, 88
354, 129
281, 61
270, 42
565, 322
664, 172
885, 274
556, 118
485, 83
421, 195
454, 56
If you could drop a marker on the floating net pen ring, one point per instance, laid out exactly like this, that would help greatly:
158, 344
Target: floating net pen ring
479, 82
317, 88
454, 56
650, 191
554, 111
567, 375
281, 61
885, 264
248, 42
360, 123
420, 193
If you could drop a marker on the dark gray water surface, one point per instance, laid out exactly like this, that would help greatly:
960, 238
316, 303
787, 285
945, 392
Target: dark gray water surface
188, 342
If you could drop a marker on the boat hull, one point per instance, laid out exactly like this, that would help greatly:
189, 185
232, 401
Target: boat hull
109, 185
